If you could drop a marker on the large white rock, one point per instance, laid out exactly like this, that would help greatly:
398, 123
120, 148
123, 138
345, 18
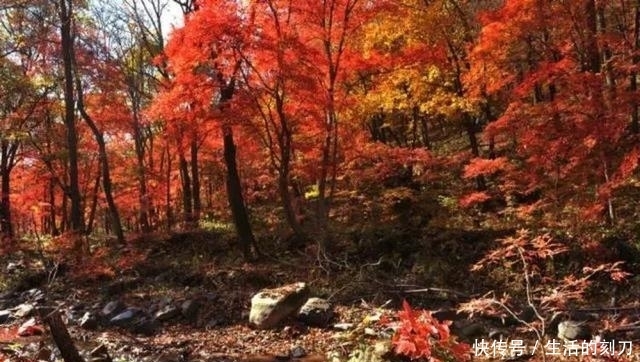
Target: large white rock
269, 307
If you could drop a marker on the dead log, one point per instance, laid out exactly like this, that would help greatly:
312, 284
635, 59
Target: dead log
60, 334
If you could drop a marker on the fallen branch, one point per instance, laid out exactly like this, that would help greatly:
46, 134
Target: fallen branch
438, 290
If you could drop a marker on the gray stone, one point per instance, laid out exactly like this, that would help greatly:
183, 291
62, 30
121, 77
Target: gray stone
298, 352
126, 318
5, 316
270, 307
189, 309
89, 321
166, 313
468, 330
112, 308
316, 312
145, 326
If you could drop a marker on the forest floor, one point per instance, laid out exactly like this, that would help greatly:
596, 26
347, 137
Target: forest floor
204, 266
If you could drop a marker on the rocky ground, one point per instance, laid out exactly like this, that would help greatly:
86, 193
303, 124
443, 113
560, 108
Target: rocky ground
189, 298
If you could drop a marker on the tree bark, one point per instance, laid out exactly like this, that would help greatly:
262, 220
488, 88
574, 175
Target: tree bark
6, 165
104, 160
187, 207
143, 197
195, 181
60, 335
65, 12
234, 186
633, 78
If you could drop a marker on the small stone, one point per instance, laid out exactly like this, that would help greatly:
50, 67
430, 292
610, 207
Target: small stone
573, 330
24, 310
126, 317
469, 330
89, 321
298, 352
316, 312
112, 308
12, 267
5, 316
343, 326
30, 328
145, 326
166, 313
36, 295
189, 309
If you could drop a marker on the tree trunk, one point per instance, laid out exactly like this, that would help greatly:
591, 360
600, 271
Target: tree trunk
290, 212
234, 194
6, 227
234, 186
471, 129
73, 190
52, 213
60, 334
633, 78
143, 197
195, 181
104, 160
94, 203
168, 209
187, 207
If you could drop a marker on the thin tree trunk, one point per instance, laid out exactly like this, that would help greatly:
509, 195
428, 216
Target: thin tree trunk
234, 186
234, 193
52, 211
143, 197
168, 209
94, 202
73, 190
195, 181
187, 207
471, 129
633, 78
104, 160
5, 201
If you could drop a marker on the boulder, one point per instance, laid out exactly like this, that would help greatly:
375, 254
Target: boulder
316, 312
270, 307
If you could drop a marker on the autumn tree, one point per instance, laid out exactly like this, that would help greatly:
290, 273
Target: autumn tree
565, 72
203, 60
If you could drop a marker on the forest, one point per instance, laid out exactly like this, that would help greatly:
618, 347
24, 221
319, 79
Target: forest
390, 180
